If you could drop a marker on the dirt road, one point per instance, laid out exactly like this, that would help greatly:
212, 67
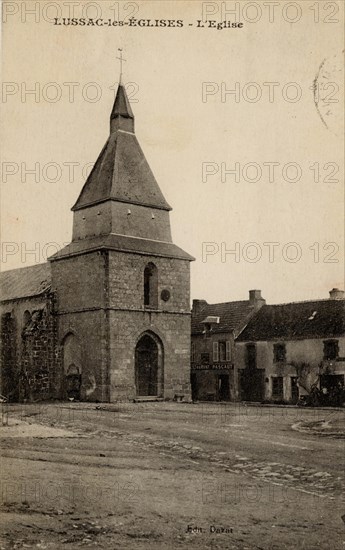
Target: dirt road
170, 475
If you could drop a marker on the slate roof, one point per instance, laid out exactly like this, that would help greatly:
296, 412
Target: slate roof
123, 243
232, 316
314, 319
25, 282
121, 171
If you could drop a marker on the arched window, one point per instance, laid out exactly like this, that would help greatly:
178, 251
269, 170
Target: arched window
151, 286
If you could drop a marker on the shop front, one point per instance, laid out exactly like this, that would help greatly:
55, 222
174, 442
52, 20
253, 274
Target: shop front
212, 382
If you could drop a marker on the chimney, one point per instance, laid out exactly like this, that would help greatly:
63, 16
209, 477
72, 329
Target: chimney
255, 299
198, 305
336, 294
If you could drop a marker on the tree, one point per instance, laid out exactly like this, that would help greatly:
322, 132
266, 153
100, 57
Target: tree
307, 376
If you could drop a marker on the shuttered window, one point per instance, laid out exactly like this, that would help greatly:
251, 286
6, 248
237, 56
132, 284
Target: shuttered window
228, 350
215, 352
222, 351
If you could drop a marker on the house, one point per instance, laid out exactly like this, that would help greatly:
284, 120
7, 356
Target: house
214, 329
108, 317
291, 350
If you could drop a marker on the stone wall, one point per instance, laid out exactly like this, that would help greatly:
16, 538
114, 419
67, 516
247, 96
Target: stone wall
9, 357
89, 329
101, 302
79, 282
40, 356
123, 219
126, 281
30, 357
173, 331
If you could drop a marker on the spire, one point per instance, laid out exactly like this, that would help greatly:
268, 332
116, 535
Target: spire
121, 117
121, 172
121, 206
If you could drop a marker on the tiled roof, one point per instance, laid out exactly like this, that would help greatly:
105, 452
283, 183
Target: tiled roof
232, 316
121, 171
25, 282
315, 319
123, 243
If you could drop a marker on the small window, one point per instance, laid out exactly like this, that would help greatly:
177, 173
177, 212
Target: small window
222, 351
215, 352
228, 351
277, 387
205, 358
279, 353
330, 349
207, 330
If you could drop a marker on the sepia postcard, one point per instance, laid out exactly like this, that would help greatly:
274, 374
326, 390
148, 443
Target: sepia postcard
172, 293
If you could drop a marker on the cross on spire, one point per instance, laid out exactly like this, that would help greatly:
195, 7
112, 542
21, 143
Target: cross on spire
121, 59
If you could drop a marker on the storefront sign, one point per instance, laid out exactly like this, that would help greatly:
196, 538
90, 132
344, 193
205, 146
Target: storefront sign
213, 366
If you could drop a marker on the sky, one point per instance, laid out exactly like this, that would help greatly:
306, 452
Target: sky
258, 171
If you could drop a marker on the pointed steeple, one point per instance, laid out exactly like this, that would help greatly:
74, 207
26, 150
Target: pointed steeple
121, 206
121, 117
121, 172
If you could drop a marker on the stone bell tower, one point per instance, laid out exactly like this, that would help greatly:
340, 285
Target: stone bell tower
122, 286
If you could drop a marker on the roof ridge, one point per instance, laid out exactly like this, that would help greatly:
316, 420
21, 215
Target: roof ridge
230, 302
305, 302
294, 320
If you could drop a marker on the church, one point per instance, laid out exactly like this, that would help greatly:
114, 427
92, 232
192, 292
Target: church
107, 318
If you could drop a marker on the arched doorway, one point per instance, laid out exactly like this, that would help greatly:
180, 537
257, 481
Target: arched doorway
149, 366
